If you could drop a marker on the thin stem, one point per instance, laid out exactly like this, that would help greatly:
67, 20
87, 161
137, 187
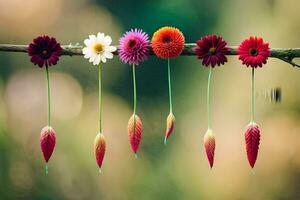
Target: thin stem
208, 99
252, 96
170, 90
49, 96
134, 89
100, 98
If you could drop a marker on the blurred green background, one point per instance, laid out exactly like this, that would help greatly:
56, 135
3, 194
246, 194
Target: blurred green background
180, 170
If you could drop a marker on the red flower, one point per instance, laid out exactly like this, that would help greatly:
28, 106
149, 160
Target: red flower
44, 51
167, 42
209, 145
47, 142
135, 131
252, 138
170, 126
211, 49
99, 148
254, 52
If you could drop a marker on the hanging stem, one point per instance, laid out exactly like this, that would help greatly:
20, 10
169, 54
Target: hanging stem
134, 89
49, 96
170, 90
208, 98
100, 98
252, 96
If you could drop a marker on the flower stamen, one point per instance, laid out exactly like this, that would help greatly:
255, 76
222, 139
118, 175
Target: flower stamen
212, 50
98, 48
131, 43
253, 52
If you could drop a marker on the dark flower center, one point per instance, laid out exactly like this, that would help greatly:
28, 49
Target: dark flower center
166, 39
45, 53
131, 43
253, 52
212, 50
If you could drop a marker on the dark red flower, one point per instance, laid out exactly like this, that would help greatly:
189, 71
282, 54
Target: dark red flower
167, 42
254, 52
47, 142
252, 138
211, 49
44, 51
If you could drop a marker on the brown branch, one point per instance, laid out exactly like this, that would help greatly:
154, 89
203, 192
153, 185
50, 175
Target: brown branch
286, 55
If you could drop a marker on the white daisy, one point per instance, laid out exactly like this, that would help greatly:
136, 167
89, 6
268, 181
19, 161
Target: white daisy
98, 48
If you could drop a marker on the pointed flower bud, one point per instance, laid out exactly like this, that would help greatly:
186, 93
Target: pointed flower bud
209, 145
99, 148
252, 138
47, 142
135, 131
170, 126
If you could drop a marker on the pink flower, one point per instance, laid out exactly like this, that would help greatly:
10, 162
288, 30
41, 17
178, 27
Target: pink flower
134, 47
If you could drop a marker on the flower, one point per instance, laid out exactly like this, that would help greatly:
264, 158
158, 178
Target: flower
170, 126
167, 42
209, 145
99, 148
47, 142
98, 48
135, 131
252, 139
254, 52
211, 49
44, 51
134, 46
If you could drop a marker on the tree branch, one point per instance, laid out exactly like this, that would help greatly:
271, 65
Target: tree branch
286, 55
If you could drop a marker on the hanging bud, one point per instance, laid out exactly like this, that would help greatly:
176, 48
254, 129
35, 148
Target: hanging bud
99, 148
170, 126
47, 142
135, 131
209, 145
252, 138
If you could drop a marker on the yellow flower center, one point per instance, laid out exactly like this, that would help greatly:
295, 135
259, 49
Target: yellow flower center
98, 48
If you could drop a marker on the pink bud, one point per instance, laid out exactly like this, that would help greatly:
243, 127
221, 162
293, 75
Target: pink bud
209, 145
252, 138
47, 142
170, 126
99, 148
135, 131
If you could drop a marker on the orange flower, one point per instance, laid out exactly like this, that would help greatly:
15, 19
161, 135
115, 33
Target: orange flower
167, 42
99, 148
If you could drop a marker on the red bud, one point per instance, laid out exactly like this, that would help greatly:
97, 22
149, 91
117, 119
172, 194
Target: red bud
170, 126
47, 142
209, 145
135, 131
99, 148
252, 138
